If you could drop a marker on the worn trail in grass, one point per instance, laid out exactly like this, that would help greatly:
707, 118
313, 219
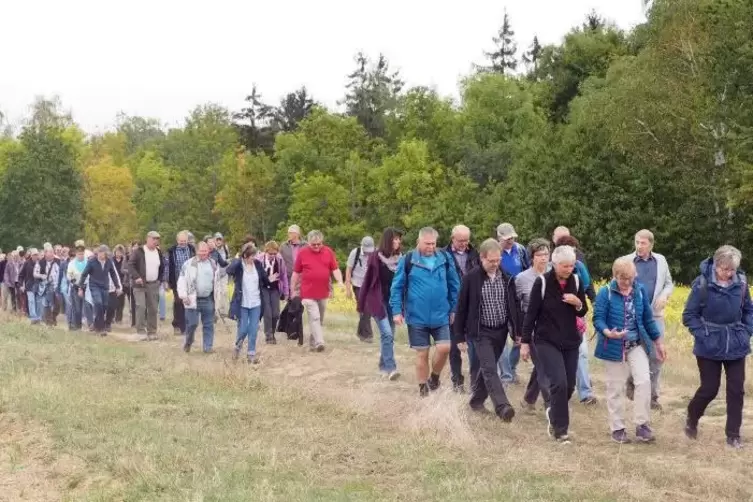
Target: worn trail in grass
110, 419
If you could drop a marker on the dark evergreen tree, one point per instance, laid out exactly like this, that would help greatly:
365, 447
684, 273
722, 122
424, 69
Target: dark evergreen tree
502, 58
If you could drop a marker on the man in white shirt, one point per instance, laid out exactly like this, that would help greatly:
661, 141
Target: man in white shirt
147, 266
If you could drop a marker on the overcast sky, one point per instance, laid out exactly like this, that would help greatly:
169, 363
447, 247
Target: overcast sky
160, 58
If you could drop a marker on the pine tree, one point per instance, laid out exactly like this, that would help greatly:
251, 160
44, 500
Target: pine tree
532, 55
503, 58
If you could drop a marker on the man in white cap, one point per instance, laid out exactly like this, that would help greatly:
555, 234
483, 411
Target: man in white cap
289, 250
355, 271
147, 267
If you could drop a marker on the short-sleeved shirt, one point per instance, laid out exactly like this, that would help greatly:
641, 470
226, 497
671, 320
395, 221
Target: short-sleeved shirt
358, 269
314, 269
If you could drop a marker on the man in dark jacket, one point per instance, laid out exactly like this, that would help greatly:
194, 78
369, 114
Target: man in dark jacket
466, 259
487, 313
145, 268
177, 255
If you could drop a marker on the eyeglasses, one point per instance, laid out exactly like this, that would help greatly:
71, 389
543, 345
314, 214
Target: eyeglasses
315, 244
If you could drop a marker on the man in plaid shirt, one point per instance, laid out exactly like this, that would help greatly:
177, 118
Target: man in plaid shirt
487, 313
177, 255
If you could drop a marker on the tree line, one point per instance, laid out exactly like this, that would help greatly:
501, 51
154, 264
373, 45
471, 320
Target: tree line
607, 132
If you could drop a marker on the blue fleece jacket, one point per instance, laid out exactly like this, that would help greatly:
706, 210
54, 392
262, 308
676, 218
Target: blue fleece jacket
719, 318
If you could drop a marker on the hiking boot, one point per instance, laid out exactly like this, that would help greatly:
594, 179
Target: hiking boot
630, 389
563, 439
433, 382
423, 390
506, 413
186, 349
589, 401
656, 406
527, 407
691, 430
549, 428
620, 437
644, 434
735, 443
394, 375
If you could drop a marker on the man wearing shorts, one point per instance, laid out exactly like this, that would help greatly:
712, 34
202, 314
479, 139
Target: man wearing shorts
424, 293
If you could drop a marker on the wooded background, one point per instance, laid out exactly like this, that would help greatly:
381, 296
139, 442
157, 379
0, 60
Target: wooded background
607, 133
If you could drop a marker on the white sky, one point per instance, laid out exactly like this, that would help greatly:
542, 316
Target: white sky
160, 58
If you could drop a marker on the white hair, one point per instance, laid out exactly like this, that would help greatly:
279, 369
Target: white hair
460, 229
315, 235
728, 255
182, 233
428, 231
563, 254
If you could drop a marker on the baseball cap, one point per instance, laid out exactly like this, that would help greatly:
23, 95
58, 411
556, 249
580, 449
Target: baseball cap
294, 228
218, 236
154, 235
506, 231
20, 249
367, 245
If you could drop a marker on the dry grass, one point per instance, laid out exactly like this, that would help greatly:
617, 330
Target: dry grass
89, 419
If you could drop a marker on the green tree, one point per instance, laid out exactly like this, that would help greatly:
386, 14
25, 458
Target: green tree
503, 58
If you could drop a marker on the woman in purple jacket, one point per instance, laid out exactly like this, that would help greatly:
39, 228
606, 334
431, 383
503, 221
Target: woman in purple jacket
374, 297
277, 273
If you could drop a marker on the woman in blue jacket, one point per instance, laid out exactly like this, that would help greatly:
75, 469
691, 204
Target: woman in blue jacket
719, 315
627, 336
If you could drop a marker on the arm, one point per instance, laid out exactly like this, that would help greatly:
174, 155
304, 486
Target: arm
85, 273
234, 267
583, 305
370, 270
396, 289
297, 271
262, 274
182, 286
349, 268
283, 280
513, 305
453, 283
335, 268
601, 310
534, 305
747, 318
115, 277
648, 317
293, 284
668, 286
692, 314
461, 315
36, 274
220, 260
132, 267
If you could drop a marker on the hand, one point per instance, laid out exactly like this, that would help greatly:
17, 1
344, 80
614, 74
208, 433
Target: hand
118, 292
274, 277
463, 346
164, 286
452, 318
348, 292
661, 351
398, 319
615, 334
525, 352
81, 293
187, 302
571, 299
518, 341
139, 282
660, 303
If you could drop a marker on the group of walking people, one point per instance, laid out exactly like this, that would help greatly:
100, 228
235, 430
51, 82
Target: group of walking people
498, 304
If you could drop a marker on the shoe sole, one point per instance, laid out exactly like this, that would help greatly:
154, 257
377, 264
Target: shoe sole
644, 440
393, 376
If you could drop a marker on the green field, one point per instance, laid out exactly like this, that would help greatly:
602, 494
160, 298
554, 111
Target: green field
83, 418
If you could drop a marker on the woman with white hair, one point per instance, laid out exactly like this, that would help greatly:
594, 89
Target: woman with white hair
627, 336
557, 300
719, 315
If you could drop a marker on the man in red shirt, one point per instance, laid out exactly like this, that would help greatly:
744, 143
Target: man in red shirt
313, 266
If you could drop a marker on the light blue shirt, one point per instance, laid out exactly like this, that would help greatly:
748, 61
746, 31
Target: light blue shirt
204, 278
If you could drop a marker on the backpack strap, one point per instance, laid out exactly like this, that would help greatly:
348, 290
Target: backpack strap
358, 257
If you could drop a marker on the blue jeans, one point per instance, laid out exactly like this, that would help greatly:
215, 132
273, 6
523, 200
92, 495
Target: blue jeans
76, 308
100, 297
34, 305
582, 378
205, 309
508, 362
248, 327
162, 304
386, 327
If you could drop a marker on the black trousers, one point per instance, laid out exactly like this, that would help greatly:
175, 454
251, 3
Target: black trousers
179, 313
537, 384
456, 364
112, 307
364, 331
487, 383
711, 376
132, 303
120, 305
559, 367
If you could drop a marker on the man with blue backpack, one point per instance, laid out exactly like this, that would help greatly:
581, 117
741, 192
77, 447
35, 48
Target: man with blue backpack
424, 295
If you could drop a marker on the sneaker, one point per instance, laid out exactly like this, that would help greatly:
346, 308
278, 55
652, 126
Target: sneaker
644, 434
620, 437
549, 428
433, 382
423, 390
320, 348
394, 375
630, 389
563, 439
527, 407
656, 406
735, 443
458, 388
589, 401
186, 349
507, 413
252, 359
691, 431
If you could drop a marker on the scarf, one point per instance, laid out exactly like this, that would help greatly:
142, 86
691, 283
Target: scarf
270, 264
391, 262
